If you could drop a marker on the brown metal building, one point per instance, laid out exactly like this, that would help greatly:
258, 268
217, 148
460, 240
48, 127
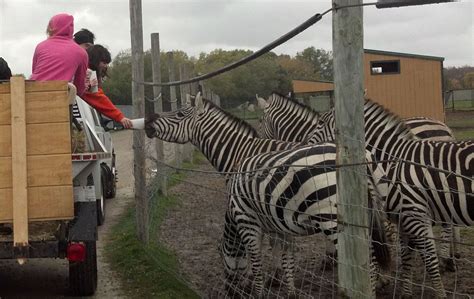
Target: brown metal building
407, 84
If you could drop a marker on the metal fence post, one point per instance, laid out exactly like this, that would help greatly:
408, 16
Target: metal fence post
353, 243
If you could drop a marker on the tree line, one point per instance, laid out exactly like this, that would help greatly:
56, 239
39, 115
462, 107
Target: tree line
270, 72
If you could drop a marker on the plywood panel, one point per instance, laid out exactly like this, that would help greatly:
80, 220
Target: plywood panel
51, 138
37, 86
5, 141
44, 203
41, 107
413, 92
47, 148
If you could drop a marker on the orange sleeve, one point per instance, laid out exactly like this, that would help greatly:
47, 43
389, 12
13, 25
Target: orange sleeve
103, 104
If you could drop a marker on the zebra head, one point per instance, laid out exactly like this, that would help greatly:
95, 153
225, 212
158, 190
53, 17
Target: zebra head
175, 126
286, 119
265, 126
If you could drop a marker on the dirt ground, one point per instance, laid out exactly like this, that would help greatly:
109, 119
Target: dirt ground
193, 230
48, 278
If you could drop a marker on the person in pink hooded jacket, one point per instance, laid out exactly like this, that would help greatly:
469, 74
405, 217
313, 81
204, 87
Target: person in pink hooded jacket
59, 57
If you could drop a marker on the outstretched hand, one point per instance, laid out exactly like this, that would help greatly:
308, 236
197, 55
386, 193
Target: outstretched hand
126, 123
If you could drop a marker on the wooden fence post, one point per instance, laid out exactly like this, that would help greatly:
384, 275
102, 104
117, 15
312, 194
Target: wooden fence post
161, 170
138, 98
174, 103
353, 242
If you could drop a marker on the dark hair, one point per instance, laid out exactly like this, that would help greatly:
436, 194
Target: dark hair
84, 36
98, 54
5, 72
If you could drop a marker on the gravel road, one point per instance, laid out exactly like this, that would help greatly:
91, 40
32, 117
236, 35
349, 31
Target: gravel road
48, 278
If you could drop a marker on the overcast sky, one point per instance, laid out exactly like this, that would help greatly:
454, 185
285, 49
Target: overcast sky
195, 26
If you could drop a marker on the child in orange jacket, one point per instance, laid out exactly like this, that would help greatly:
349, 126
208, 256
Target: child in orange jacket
99, 58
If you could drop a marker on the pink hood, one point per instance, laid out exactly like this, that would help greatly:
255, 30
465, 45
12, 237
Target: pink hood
62, 25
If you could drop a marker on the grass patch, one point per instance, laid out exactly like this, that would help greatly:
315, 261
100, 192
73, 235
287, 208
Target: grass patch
147, 271
464, 134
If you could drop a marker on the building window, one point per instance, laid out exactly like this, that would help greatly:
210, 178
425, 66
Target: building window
385, 67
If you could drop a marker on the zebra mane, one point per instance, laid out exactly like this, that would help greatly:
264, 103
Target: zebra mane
243, 126
402, 128
297, 104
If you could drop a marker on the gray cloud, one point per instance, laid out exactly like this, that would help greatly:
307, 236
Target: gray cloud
196, 26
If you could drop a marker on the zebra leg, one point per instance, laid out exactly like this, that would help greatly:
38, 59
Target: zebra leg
427, 249
407, 255
276, 246
446, 250
423, 241
288, 264
252, 239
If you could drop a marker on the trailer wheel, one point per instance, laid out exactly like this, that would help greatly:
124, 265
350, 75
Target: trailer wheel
83, 275
101, 204
110, 179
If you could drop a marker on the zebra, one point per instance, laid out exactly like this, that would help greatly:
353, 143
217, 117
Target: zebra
432, 182
286, 119
289, 193
224, 139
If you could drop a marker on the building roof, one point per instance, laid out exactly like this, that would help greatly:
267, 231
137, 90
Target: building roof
398, 54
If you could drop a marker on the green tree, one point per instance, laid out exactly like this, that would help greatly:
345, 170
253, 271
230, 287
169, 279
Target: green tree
320, 60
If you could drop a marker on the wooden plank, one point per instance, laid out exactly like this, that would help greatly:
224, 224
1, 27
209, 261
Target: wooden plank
45, 170
353, 242
37, 86
5, 172
40, 203
57, 135
19, 162
5, 108
5, 141
41, 107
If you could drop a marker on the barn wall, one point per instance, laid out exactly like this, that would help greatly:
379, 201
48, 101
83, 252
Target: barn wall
415, 91
300, 86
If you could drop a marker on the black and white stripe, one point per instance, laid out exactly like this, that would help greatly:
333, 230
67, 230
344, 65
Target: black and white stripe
281, 120
431, 181
289, 193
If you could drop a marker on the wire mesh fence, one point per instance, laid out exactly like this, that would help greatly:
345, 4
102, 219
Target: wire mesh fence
194, 231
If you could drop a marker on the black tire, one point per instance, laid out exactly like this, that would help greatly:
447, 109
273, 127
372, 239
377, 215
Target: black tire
101, 205
109, 179
83, 275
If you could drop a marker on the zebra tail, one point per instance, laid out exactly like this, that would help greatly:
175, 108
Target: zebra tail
379, 238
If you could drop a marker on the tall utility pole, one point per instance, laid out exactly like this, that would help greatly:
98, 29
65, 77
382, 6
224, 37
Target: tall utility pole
138, 98
353, 242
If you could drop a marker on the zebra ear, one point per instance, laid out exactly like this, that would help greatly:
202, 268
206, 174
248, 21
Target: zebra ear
189, 103
262, 104
199, 103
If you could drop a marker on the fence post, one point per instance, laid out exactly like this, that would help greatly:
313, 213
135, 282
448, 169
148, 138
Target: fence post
187, 149
158, 107
353, 243
138, 98
173, 101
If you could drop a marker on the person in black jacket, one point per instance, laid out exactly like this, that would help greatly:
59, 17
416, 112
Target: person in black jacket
5, 72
